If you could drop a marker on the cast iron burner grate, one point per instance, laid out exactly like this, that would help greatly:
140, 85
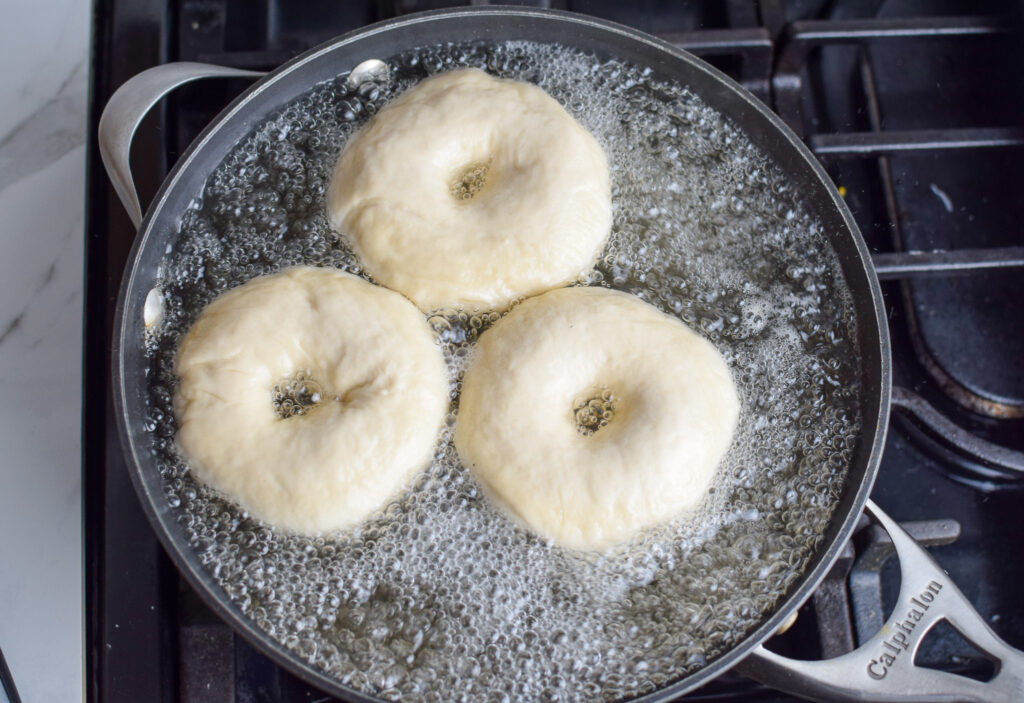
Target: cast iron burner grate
857, 80
959, 306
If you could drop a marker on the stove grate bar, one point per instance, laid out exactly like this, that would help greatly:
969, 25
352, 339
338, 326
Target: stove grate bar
861, 144
915, 264
994, 456
802, 37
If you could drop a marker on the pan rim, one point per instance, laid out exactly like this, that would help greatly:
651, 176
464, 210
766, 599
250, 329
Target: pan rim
186, 560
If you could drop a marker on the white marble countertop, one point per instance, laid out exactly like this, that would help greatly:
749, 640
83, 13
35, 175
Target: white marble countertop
44, 51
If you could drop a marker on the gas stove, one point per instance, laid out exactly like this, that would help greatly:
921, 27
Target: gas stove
914, 108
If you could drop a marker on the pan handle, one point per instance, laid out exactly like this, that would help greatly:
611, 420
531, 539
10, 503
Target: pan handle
125, 110
883, 668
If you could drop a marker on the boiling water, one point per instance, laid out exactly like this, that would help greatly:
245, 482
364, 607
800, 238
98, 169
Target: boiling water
441, 597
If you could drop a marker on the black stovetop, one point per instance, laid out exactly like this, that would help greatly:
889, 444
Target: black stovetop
914, 108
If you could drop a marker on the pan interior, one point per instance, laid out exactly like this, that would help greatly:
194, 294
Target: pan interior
440, 596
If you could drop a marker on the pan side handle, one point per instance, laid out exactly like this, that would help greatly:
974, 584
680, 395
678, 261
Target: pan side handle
125, 110
883, 668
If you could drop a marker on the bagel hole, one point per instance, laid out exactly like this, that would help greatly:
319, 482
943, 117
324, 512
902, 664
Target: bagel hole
593, 412
470, 180
297, 395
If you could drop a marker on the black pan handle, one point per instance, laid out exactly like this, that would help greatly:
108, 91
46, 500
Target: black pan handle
129, 104
883, 668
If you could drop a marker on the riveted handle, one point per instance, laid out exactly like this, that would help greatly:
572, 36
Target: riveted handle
883, 669
129, 104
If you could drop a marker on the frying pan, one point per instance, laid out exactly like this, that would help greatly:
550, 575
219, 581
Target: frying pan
882, 668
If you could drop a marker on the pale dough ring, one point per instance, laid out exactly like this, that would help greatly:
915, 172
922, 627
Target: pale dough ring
539, 220
675, 411
383, 400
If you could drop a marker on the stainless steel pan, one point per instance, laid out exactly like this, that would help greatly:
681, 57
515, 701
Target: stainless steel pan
882, 669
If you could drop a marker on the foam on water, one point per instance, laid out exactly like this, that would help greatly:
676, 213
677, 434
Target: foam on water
442, 597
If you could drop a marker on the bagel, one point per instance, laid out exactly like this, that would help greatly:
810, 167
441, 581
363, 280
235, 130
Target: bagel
470, 191
591, 415
373, 387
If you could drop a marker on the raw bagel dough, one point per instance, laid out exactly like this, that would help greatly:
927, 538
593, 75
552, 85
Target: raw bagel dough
384, 397
675, 410
540, 218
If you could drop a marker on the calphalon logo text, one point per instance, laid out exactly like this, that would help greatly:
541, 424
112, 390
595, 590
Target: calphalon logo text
898, 643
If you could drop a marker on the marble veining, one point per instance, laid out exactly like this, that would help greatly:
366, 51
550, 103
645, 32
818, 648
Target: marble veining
50, 132
43, 103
